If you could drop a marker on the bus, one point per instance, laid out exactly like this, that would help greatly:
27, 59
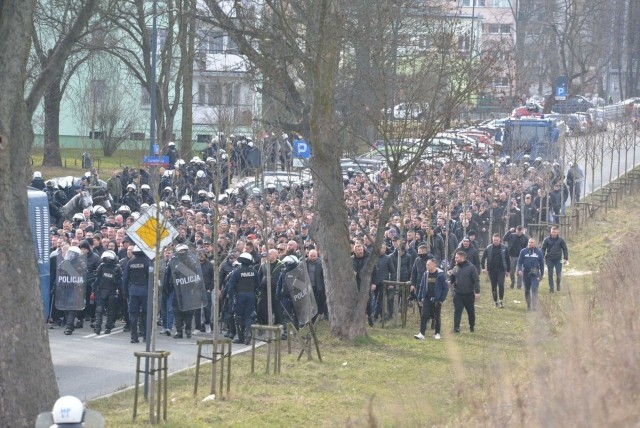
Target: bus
39, 224
536, 137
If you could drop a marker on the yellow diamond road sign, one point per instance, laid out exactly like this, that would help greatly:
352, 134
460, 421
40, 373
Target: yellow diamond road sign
146, 230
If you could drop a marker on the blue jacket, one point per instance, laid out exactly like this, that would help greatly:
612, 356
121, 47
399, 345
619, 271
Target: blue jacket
442, 289
526, 260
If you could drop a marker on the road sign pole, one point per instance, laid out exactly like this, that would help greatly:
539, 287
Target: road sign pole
147, 333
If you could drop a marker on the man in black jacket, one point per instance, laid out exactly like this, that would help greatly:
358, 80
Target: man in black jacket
555, 252
466, 287
515, 240
497, 263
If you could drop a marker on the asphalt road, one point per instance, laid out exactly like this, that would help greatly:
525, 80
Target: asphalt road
89, 366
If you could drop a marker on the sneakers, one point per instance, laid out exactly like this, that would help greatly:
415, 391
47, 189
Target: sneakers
107, 331
207, 329
419, 336
471, 329
68, 332
177, 336
437, 336
497, 305
501, 304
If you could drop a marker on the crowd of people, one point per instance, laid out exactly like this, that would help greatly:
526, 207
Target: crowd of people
452, 221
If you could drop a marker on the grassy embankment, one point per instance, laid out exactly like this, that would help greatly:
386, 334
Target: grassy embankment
501, 374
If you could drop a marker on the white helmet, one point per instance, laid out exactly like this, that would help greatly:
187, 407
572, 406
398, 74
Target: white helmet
108, 255
144, 207
167, 173
222, 151
223, 156
195, 159
290, 259
171, 143
185, 198
67, 410
202, 193
145, 187
131, 186
168, 188
135, 215
37, 174
250, 143
99, 210
78, 216
211, 160
73, 253
201, 174
124, 208
245, 258
182, 247
285, 137
179, 163
87, 174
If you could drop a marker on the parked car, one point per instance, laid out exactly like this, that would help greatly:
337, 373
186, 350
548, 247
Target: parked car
407, 111
528, 110
576, 124
572, 105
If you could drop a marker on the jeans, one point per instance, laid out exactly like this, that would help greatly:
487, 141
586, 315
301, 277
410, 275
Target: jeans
497, 284
531, 284
551, 264
513, 270
137, 305
460, 302
430, 308
166, 308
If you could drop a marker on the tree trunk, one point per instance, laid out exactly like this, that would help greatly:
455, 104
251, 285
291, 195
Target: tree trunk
187, 39
27, 381
346, 305
52, 99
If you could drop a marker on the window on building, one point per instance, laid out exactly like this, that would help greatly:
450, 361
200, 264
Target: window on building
216, 42
505, 29
502, 81
496, 28
215, 94
464, 42
203, 138
96, 135
145, 98
232, 47
470, 3
202, 94
499, 3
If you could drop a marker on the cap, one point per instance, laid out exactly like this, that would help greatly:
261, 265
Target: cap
182, 247
251, 237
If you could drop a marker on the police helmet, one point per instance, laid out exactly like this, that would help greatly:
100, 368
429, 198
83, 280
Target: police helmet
249, 143
182, 247
78, 217
211, 160
202, 193
135, 215
195, 159
285, 137
131, 186
201, 174
67, 410
49, 183
210, 195
223, 156
99, 210
37, 174
108, 255
145, 187
167, 173
171, 143
124, 209
168, 188
179, 163
185, 198
245, 258
73, 253
291, 260
87, 175
144, 207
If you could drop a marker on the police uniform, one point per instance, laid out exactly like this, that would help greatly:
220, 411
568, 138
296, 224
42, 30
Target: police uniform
106, 290
136, 282
244, 283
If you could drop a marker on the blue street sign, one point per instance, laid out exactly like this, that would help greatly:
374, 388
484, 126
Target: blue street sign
156, 160
301, 149
561, 88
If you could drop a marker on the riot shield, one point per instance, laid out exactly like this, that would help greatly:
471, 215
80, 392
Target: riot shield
188, 283
299, 286
71, 280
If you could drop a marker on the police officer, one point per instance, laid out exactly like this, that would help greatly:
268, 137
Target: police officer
282, 294
130, 199
70, 283
93, 261
183, 318
244, 282
136, 281
226, 299
106, 289
146, 196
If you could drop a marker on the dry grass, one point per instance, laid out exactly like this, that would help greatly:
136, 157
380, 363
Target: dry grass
588, 376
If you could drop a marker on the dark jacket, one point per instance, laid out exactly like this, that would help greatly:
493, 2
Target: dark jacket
515, 243
405, 266
358, 264
275, 274
441, 291
504, 253
384, 270
418, 269
472, 255
317, 282
207, 274
555, 249
465, 278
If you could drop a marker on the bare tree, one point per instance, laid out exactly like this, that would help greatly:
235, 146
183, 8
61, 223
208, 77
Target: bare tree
27, 389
